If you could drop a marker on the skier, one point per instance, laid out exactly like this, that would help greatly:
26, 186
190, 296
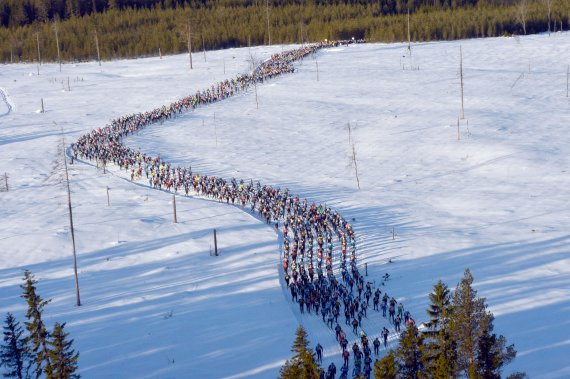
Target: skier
385, 333
376, 344
319, 350
397, 323
337, 329
400, 310
344, 344
345, 357
332, 371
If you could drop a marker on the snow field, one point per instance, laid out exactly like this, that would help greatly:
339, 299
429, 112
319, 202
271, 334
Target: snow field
157, 305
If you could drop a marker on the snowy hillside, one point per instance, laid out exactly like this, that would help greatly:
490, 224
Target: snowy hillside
157, 305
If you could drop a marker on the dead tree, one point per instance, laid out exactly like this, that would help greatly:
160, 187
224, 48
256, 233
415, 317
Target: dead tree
39, 54
189, 38
57, 43
97, 47
267, 16
409, 39
78, 299
355, 165
522, 11
253, 64
461, 76
548, 4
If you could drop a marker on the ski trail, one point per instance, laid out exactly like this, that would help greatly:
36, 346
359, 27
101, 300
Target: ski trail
373, 323
9, 106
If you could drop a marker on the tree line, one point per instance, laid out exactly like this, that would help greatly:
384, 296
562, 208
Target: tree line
39, 353
136, 28
458, 340
15, 13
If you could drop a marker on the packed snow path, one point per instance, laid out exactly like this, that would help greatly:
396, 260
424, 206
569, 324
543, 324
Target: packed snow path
312, 277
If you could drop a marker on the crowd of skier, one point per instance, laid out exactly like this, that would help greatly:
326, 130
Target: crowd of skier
319, 258
332, 287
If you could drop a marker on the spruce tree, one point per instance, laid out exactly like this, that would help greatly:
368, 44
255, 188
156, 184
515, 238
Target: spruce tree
38, 334
387, 367
440, 347
492, 354
468, 311
480, 353
14, 353
411, 354
302, 365
439, 308
63, 359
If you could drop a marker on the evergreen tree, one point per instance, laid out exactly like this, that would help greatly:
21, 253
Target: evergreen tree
468, 311
387, 367
411, 354
38, 334
61, 355
14, 353
492, 354
480, 353
439, 308
302, 365
440, 349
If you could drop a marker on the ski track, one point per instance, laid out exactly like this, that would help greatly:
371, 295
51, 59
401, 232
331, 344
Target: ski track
5, 100
372, 323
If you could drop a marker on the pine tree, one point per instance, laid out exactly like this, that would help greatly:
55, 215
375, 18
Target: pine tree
61, 355
411, 354
38, 334
468, 311
387, 367
440, 350
492, 354
439, 308
302, 365
480, 353
14, 353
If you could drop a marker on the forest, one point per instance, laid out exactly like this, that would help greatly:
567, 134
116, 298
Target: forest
136, 28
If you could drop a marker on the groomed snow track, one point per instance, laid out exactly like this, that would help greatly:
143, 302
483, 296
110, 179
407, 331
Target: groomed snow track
373, 323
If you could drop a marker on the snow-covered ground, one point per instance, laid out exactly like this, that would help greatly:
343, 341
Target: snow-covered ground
157, 305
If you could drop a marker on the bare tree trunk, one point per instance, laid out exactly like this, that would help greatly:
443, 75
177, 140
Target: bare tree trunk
409, 39
549, 8
78, 299
355, 165
522, 10
461, 74
189, 30
97, 46
267, 15
57, 44
203, 47
39, 55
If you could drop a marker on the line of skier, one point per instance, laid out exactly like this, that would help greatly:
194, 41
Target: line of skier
321, 282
